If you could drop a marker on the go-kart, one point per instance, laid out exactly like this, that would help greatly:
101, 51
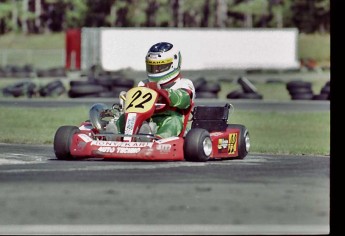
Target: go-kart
206, 133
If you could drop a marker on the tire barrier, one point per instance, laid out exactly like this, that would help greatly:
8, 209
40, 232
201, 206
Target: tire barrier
325, 92
52, 72
206, 89
249, 91
20, 89
30, 89
14, 71
104, 86
52, 89
300, 90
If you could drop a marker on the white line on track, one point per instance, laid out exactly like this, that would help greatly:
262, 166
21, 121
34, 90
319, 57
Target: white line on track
19, 158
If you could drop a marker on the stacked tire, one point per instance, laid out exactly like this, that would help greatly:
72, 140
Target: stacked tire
248, 91
300, 90
206, 89
99, 87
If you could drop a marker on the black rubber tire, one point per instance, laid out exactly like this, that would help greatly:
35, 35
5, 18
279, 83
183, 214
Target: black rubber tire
302, 96
321, 96
298, 84
122, 82
242, 150
326, 89
246, 85
53, 88
234, 94
209, 87
86, 90
297, 90
62, 141
73, 83
20, 89
199, 82
193, 145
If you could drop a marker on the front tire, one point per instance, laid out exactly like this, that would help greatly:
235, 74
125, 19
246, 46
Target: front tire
62, 141
197, 145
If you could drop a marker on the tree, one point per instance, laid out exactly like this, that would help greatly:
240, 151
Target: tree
311, 15
76, 12
38, 16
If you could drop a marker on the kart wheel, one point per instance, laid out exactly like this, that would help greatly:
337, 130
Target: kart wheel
62, 141
243, 140
197, 145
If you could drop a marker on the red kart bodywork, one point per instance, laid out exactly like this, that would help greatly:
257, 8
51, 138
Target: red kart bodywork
224, 146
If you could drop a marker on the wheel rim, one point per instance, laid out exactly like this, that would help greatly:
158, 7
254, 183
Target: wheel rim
207, 146
247, 141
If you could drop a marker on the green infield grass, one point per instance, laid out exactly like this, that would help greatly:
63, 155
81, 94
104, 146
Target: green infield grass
270, 132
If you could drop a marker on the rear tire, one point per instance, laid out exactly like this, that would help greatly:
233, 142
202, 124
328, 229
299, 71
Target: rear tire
62, 141
197, 145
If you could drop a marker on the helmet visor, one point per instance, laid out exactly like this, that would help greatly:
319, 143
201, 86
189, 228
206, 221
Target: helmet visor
155, 69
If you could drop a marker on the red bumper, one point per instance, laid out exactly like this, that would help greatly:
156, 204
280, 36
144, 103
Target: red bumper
170, 149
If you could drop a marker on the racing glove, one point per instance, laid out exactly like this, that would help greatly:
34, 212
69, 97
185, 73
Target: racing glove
179, 98
162, 92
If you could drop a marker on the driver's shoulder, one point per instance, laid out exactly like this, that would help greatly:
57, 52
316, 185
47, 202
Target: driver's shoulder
185, 83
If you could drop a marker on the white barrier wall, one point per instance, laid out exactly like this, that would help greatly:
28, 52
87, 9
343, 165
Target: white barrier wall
202, 48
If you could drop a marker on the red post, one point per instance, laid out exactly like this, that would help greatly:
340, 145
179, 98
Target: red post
73, 49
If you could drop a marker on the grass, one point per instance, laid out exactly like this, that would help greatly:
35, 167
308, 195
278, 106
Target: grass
287, 132
270, 132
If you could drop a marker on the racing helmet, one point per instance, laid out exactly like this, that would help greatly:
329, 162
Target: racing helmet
163, 63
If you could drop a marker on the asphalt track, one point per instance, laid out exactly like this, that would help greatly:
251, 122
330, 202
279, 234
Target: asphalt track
262, 194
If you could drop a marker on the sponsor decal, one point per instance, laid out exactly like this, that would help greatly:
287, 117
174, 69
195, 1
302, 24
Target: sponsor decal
128, 150
164, 147
107, 149
159, 62
118, 150
131, 117
223, 143
232, 143
121, 144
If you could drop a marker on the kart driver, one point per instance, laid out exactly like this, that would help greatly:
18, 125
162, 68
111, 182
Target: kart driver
163, 65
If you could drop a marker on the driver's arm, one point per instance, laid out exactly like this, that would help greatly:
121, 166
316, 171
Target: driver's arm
179, 98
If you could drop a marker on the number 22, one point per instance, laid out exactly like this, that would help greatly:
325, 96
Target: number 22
136, 95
